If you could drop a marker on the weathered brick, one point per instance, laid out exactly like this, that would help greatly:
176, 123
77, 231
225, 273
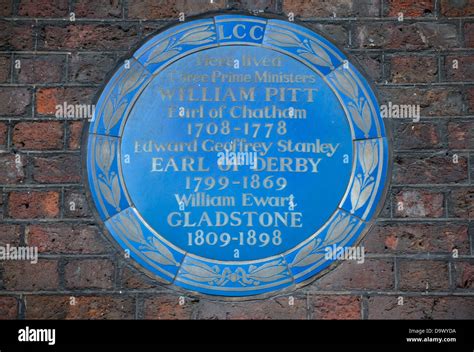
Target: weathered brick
75, 134
409, 8
418, 238
75, 205
413, 69
464, 274
335, 307
98, 8
63, 168
421, 308
132, 279
5, 69
461, 134
10, 234
33, 204
337, 8
469, 34
410, 36
152, 9
423, 169
423, 275
277, 308
168, 307
40, 69
8, 308
25, 276
432, 101
416, 135
16, 35
418, 203
372, 274
470, 99
47, 99
463, 70
13, 168
371, 65
253, 5
90, 68
89, 273
455, 8
3, 135
6, 8
43, 8
79, 307
15, 101
461, 203
43, 135
65, 238
89, 37
338, 33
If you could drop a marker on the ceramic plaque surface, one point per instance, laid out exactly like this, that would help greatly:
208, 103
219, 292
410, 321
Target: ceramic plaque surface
230, 152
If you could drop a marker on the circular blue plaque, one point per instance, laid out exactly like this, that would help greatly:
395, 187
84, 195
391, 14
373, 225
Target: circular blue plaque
230, 152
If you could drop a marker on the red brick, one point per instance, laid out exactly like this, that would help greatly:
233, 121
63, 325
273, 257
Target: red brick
152, 9
371, 65
16, 35
423, 275
421, 308
463, 72
24, 276
15, 101
418, 238
372, 274
252, 5
276, 308
48, 98
469, 34
43, 8
413, 69
339, 34
10, 234
168, 307
89, 273
416, 135
455, 8
409, 8
33, 204
461, 135
3, 134
461, 203
464, 275
470, 99
84, 307
432, 101
12, 172
57, 169
418, 203
98, 8
336, 307
65, 238
131, 278
8, 308
44, 135
75, 134
41, 69
338, 8
6, 8
90, 68
420, 35
4, 69
90, 37
75, 205
429, 169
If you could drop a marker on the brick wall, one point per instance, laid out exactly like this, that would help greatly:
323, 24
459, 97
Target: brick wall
428, 213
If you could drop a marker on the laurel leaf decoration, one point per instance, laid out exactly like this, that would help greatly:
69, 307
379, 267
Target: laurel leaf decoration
160, 49
198, 36
200, 272
321, 53
284, 38
364, 183
163, 254
129, 227
314, 250
105, 154
267, 272
345, 83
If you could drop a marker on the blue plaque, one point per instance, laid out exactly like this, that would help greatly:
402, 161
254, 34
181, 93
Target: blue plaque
228, 153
